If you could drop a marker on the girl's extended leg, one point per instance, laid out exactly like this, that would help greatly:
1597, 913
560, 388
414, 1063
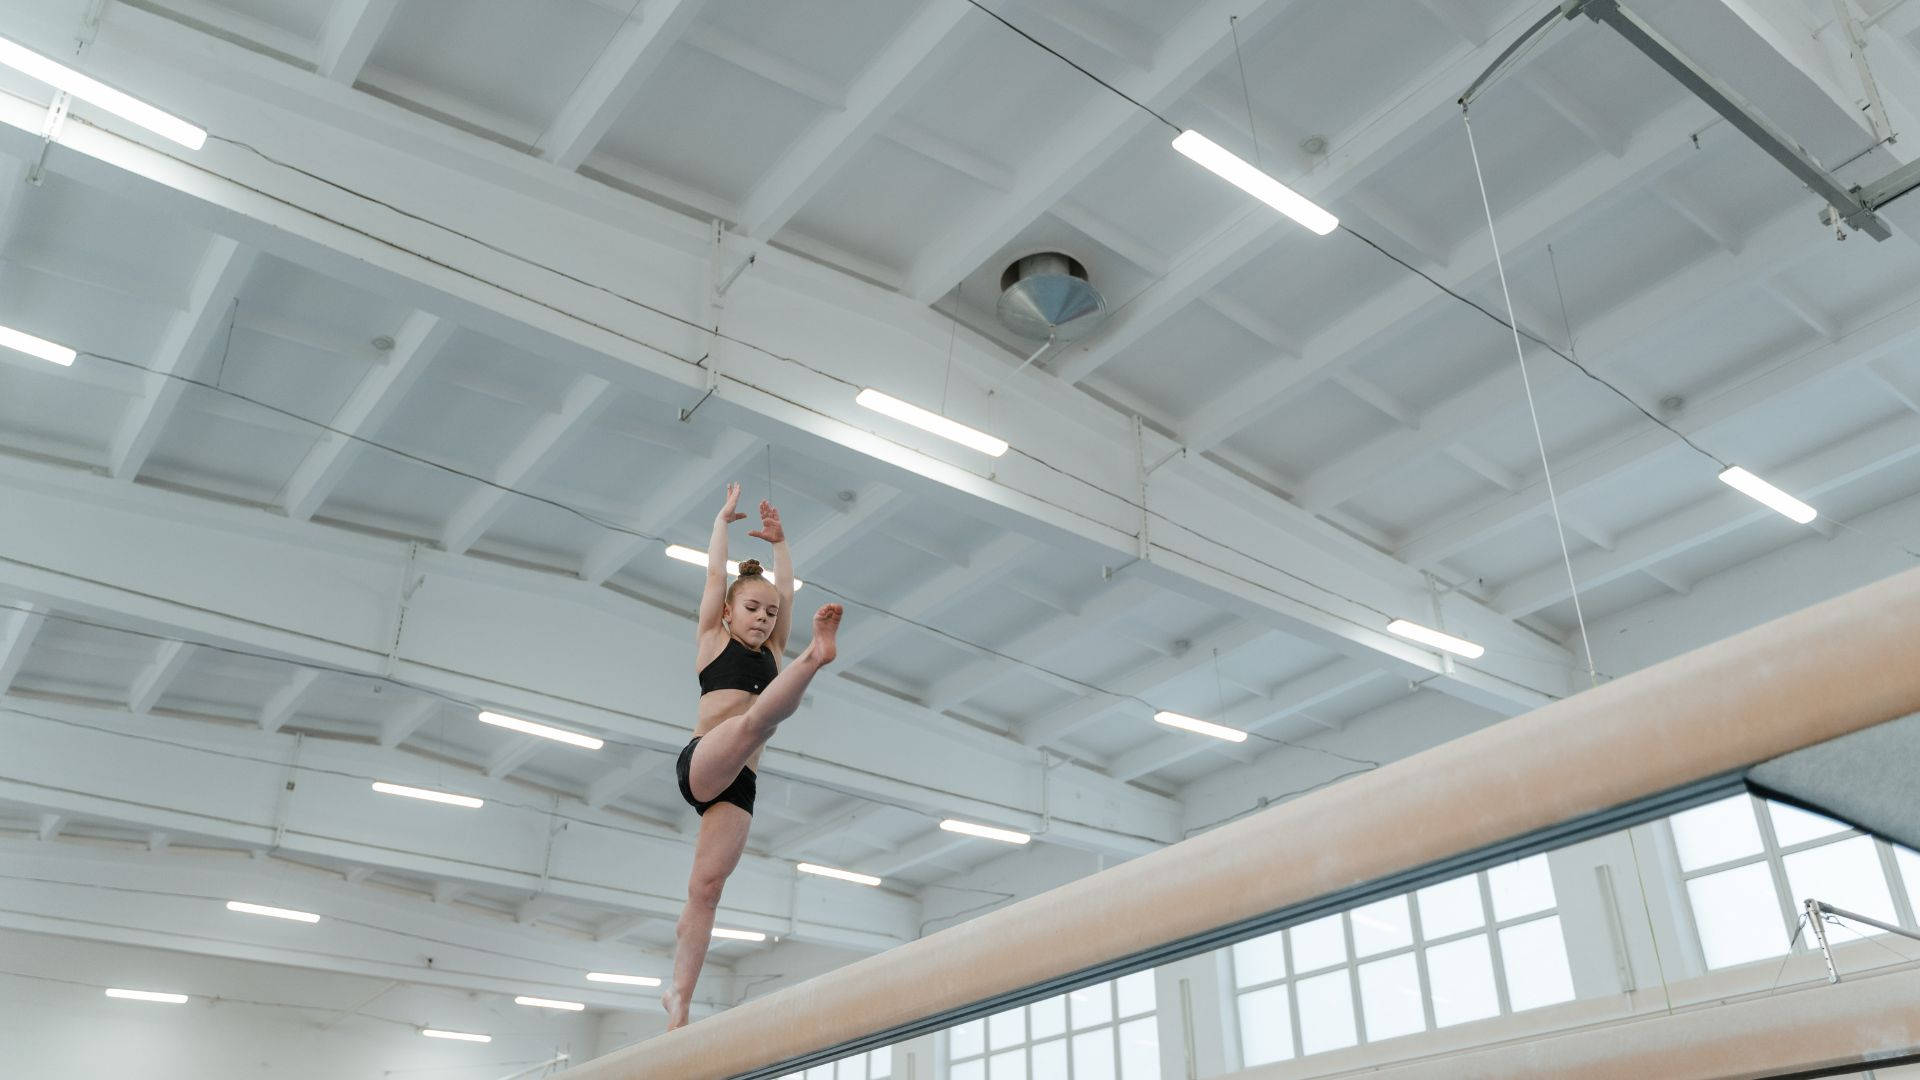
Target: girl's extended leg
725, 750
723, 836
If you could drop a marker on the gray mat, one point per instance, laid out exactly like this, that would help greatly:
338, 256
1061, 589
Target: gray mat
1869, 779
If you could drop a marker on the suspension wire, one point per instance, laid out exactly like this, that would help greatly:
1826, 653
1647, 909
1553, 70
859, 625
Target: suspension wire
1520, 354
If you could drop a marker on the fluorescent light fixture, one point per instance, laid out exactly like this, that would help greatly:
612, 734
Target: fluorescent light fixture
1234, 170
931, 421
61, 77
528, 727
841, 875
463, 1036
985, 832
148, 995
431, 796
33, 346
549, 1003
1199, 727
699, 558
623, 980
739, 935
1427, 635
1772, 497
272, 912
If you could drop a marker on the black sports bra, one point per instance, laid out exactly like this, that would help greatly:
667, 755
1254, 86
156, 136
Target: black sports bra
738, 668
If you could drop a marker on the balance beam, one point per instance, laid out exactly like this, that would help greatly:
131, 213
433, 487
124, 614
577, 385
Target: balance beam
1833, 668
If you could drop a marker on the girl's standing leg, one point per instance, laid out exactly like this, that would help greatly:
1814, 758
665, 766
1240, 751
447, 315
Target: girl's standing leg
723, 836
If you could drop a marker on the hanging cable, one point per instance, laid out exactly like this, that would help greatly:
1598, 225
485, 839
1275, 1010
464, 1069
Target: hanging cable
1520, 355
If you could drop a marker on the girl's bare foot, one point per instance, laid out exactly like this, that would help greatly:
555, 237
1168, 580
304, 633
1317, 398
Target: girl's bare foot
675, 1004
826, 622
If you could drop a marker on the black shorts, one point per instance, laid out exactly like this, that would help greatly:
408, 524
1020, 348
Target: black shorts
740, 793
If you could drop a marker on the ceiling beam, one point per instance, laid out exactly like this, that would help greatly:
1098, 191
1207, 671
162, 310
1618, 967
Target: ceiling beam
1571, 107
1659, 147
515, 752
702, 483
352, 30
400, 725
1096, 131
50, 826
1055, 727
617, 782
152, 683
14, 192
523, 209
613, 83
924, 848
506, 845
1415, 108
18, 627
1720, 514
102, 894
591, 659
1052, 634
1306, 692
546, 443
915, 56
932, 595
1459, 17
374, 399
289, 699
1779, 244
182, 353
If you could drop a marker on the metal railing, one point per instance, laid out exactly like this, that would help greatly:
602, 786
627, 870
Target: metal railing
1817, 913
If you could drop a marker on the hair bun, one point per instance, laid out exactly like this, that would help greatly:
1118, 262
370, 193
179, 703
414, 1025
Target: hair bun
750, 568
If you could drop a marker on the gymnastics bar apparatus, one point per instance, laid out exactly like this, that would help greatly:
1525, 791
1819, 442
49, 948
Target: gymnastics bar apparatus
1662, 739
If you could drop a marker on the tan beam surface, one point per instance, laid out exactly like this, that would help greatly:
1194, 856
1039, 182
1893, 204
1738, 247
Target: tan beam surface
1822, 672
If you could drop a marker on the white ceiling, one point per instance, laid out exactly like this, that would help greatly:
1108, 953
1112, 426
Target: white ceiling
201, 575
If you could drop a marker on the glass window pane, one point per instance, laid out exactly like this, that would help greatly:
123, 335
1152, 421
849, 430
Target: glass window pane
1050, 1060
1910, 873
1534, 955
1091, 1005
1318, 944
1738, 913
1461, 975
1792, 825
1715, 833
1266, 1031
1007, 1029
967, 1039
1011, 1065
972, 1070
1135, 992
1140, 1049
853, 1068
880, 1064
1048, 1017
1521, 888
1261, 960
1093, 1055
1846, 874
1450, 907
1381, 927
1326, 1013
1390, 995
821, 1072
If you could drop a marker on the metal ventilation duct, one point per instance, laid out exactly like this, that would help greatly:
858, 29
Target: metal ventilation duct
1048, 297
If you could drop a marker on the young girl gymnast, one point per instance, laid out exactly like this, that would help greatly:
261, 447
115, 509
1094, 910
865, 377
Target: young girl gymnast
744, 695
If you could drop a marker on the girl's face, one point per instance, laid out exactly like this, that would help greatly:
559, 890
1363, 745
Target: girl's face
755, 607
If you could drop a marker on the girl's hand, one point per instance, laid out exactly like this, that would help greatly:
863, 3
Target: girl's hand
769, 529
727, 513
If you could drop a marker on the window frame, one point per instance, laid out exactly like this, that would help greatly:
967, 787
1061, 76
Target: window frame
1775, 855
1490, 926
1111, 1026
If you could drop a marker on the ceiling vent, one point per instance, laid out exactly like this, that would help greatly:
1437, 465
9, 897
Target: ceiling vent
1047, 297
